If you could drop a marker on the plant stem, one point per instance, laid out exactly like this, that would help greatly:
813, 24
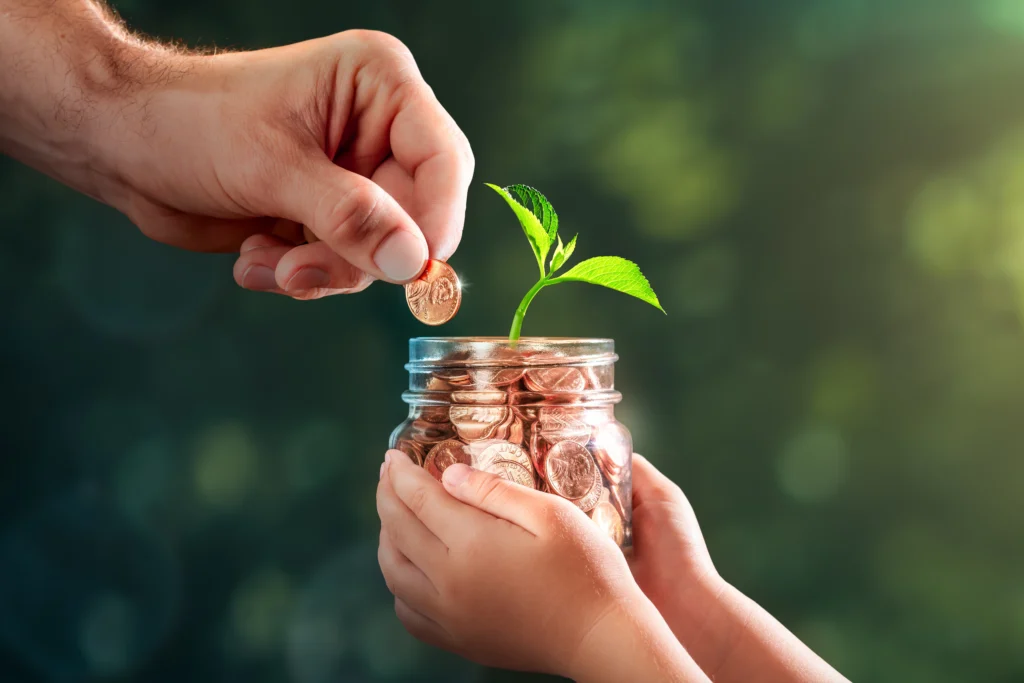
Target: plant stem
517, 320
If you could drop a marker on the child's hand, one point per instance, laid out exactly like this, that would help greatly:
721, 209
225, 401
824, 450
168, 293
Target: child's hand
512, 577
670, 559
731, 637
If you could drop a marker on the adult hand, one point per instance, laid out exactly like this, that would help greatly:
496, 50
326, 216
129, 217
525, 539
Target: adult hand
516, 578
241, 150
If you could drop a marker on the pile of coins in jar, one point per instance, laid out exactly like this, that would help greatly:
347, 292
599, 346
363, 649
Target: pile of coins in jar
540, 427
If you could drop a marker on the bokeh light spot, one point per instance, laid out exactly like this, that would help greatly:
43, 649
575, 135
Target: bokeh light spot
106, 633
314, 454
259, 610
706, 280
946, 226
812, 465
144, 477
1005, 15
389, 651
225, 464
843, 385
124, 284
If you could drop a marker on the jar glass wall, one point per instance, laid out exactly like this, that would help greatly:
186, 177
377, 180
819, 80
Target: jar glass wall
539, 413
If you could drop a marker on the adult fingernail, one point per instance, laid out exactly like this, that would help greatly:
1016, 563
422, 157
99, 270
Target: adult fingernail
382, 467
456, 474
401, 256
308, 278
387, 457
259, 278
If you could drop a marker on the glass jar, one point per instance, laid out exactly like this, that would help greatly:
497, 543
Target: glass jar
539, 413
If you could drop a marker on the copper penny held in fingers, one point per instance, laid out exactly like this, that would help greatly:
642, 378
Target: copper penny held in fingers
570, 470
434, 298
444, 455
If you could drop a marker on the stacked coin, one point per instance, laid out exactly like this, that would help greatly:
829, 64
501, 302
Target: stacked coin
530, 425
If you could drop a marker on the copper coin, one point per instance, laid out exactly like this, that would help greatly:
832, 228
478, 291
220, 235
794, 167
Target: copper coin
526, 413
444, 455
515, 432
415, 451
434, 414
431, 432
591, 498
514, 472
434, 298
609, 521
570, 470
499, 377
505, 428
555, 380
597, 377
501, 450
622, 499
435, 383
564, 424
481, 397
474, 423
538, 452
459, 377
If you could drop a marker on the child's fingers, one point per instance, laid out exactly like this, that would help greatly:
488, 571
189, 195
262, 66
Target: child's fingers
404, 579
422, 627
409, 535
498, 497
650, 485
444, 516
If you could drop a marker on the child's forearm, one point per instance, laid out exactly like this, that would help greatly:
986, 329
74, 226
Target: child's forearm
634, 645
734, 640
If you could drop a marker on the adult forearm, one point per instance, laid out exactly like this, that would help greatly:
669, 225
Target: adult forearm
70, 79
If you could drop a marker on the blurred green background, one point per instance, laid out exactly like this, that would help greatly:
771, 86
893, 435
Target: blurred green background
828, 196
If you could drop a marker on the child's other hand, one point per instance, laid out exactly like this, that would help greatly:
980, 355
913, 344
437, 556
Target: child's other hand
731, 637
670, 560
516, 578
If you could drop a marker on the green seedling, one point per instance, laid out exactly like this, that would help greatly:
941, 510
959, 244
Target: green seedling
540, 223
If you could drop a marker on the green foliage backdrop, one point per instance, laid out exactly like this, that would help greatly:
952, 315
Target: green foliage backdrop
828, 197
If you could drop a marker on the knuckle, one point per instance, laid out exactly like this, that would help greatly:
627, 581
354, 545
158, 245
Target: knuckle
417, 500
491, 491
389, 45
558, 514
355, 216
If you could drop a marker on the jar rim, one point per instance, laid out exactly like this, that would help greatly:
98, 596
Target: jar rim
556, 341
434, 352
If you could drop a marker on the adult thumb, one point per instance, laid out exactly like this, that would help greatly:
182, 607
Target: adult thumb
496, 496
357, 219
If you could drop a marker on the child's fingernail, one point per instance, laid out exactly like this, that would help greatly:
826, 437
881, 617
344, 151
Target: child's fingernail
456, 474
387, 457
382, 467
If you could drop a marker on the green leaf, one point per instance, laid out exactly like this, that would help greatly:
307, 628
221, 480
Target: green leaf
559, 256
532, 226
541, 207
569, 248
562, 254
615, 273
